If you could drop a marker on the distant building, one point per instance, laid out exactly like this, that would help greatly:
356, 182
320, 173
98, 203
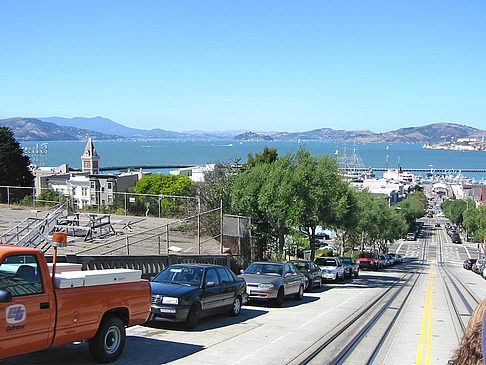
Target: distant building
392, 191
90, 159
86, 186
195, 173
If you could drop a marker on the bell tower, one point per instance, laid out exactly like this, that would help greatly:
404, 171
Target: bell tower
90, 158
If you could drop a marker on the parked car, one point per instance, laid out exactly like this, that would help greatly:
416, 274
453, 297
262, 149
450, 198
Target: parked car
351, 267
332, 268
369, 260
311, 271
398, 258
384, 260
456, 238
390, 258
188, 292
411, 236
479, 266
469, 263
273, 281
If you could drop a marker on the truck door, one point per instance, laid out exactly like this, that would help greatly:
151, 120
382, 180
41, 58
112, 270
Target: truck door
27, 320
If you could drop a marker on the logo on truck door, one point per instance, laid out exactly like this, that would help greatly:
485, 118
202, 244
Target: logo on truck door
15, 313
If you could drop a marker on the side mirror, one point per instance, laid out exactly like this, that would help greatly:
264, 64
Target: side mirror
5, 296
210, 284
288, 274
242, 271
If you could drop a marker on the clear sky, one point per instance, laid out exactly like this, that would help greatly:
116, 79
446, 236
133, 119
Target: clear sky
257, 65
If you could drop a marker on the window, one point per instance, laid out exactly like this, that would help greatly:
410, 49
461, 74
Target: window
84, 191
93, 185
211, 276
224, 275
19, 274
288, 269
110, 186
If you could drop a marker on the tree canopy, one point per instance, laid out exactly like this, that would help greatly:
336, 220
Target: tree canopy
158, 184
14, 165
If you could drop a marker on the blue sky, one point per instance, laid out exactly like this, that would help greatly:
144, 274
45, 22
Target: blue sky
257, 65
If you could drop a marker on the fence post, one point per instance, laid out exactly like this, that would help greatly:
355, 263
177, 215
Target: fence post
128, 247
159, 206
199, 232
158, 236
125, 203
167, 238
8, 195
221, 227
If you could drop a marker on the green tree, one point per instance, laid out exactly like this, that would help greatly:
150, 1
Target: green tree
14, 165
268, 156
158, 184
48, 197
411, 209
454, 210
320, 194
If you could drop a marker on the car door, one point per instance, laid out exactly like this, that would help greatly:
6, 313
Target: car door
228, 287
292, 279
211, 296
28, 319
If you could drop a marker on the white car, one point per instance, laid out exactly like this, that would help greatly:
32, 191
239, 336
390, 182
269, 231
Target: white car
332, 268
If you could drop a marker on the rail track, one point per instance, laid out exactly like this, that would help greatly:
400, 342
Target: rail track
361, 338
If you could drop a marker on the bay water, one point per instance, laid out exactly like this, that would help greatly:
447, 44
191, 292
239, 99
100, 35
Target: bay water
164, 152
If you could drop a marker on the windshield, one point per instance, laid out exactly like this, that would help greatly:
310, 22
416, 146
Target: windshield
367, 256
346, 260
326, 262
265, 269
301, 265
185, 275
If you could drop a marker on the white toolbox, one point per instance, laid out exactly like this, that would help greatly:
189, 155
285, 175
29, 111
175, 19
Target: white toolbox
64, 267
73, 279
111, 276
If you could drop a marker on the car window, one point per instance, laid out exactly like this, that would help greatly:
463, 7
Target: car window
211, 276
288, 269
326, 262
265, 269
178, 274
224, 275
302, 265
20, 275
293, 269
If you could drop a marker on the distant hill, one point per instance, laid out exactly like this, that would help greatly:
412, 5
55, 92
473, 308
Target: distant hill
102, 128
431, 133
31, 129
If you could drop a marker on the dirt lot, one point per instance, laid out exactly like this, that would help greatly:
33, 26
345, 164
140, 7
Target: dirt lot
145, 235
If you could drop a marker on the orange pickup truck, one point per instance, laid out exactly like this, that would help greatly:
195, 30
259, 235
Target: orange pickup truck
37, 312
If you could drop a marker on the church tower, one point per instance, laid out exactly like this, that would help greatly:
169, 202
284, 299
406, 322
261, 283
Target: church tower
90, 158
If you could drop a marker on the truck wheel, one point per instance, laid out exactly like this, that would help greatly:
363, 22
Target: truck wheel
107, 344
236, 307
193, 316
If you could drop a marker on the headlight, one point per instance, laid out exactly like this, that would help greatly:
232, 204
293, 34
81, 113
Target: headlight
266, 286
170, 300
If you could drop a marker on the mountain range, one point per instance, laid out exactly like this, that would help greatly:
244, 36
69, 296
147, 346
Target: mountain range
99, 128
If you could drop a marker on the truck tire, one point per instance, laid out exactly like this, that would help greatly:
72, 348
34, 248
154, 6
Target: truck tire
107, 345
193, 316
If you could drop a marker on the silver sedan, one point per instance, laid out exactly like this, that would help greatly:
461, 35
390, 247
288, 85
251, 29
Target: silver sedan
273, 281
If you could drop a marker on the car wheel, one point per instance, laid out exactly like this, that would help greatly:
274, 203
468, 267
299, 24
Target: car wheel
300, 293
356, 274
280, 297
108, 343
236, 307
193, 316
151, 317
319, 284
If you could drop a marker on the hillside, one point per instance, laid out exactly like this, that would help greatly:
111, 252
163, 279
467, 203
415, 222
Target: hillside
103, 128
30, 129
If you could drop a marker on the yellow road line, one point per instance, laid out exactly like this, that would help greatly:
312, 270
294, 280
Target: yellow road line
426, 327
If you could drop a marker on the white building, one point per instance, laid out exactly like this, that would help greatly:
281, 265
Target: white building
195, 173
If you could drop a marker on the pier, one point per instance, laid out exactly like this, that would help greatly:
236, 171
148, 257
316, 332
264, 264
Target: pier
381, 169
